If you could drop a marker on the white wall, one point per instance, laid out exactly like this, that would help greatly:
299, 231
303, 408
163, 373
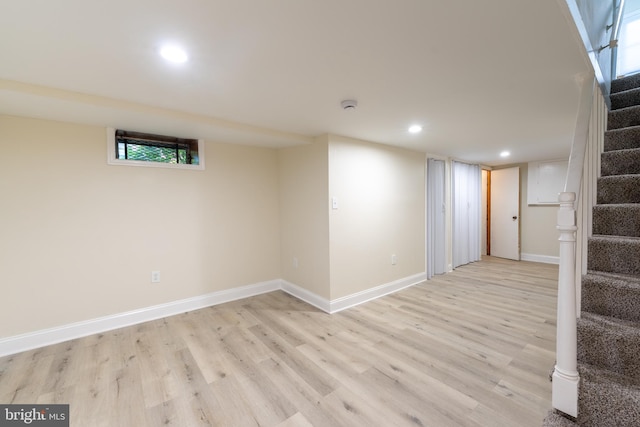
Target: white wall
538, 234
631, 6
304, 216
380, 195
596, 16
627, 53
79, 238
380, 192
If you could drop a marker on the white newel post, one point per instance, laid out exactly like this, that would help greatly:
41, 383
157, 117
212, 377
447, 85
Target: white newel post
565, 375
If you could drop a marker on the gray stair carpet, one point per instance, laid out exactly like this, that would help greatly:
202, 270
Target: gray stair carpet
622, 139
609, 323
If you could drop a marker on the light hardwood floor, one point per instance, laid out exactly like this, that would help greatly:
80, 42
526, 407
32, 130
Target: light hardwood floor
470, 348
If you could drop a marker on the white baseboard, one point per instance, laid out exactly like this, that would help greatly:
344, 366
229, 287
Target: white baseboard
29, 341
352, 300
546, 259
373, 293
307, 296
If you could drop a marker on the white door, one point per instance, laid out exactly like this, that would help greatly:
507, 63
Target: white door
436, 225
505, 213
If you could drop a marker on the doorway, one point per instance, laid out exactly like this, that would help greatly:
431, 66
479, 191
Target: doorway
503, 213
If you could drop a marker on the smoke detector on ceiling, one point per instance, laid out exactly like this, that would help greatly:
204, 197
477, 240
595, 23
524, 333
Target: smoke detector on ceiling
349, 104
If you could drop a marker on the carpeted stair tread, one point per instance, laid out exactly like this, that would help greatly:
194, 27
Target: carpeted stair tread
622, 219
554, 419
622, 139
625, 98
609, 343
611, 295
624, 117
613, 254
607, 399
625, 83
620, 162
617, 189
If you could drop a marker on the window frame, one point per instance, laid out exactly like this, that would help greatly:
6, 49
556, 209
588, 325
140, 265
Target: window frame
113, 160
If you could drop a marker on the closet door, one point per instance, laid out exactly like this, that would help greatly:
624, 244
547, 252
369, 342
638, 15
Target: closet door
467, 199
436, 225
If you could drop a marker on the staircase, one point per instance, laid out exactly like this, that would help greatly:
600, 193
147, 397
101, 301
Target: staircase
609, 327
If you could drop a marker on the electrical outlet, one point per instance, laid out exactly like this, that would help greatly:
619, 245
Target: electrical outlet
155, 277
394, 259
295, 262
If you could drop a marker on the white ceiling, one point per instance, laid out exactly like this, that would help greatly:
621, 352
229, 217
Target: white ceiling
481, 76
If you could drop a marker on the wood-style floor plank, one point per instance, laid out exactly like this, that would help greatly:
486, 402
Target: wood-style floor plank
470, 348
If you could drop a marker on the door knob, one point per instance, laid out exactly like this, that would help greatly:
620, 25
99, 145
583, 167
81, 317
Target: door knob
514, 217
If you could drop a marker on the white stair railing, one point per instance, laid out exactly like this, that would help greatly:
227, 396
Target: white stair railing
587, 143
565, 374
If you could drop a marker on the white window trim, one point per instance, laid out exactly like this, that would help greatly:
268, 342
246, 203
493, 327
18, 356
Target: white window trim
111, 156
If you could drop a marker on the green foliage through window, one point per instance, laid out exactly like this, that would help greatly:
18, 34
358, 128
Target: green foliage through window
155, 148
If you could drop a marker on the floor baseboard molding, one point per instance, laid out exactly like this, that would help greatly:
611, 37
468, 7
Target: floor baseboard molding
55, 335
352, 300
306, 296
546, 259
377, 292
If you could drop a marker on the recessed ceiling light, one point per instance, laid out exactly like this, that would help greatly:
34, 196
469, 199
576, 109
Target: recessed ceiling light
505, 154
174, 54
415, 129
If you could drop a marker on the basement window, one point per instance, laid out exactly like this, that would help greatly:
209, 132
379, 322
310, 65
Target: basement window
144, 149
